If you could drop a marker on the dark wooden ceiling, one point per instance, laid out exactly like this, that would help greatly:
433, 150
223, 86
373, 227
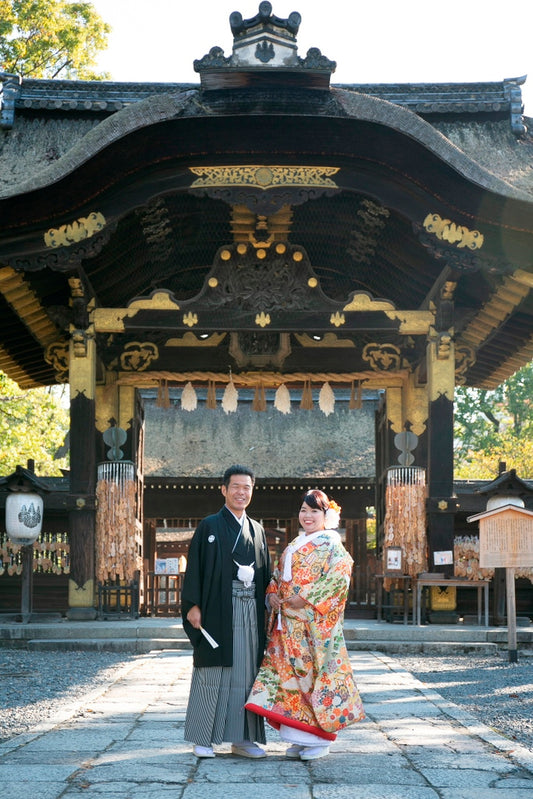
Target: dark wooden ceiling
365, 236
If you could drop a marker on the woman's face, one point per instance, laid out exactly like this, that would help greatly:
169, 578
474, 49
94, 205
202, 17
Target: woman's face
311, 519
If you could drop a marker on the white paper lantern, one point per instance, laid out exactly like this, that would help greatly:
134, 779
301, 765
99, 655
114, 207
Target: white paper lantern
24, 517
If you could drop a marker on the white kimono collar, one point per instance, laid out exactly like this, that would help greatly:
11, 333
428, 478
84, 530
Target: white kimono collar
301, 541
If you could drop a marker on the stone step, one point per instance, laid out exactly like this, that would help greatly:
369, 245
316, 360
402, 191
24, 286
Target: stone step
137, 645
426, 647
143, 645
145, 634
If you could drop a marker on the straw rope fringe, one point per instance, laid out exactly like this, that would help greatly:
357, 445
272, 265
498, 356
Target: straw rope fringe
307, 397
245, 379
259, 401
211, 401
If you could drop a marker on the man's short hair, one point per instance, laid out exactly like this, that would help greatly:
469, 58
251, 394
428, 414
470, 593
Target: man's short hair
237, 469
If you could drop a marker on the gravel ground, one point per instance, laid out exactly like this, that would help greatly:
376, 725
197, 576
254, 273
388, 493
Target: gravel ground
497, 692
36, 685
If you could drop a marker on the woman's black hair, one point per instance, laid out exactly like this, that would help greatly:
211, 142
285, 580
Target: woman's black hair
316, 499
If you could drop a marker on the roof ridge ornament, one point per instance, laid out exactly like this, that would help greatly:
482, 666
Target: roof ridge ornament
240, 26
265, 54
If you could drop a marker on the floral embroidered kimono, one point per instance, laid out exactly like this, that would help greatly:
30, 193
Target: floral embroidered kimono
306, 681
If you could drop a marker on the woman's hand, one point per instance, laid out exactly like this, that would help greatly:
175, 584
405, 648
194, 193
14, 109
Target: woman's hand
296, 602
274, 602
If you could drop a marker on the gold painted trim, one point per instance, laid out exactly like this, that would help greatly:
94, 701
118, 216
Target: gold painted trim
337, 319
15, 372
327, 340
519, 359
81, 596
523, 277
137, 356
510, 294
361, 301
159, 301
25, 303
412, 323
83, 228
190, 319
441, 371
259, 176
394, 408
189, 339
446, 230
110, 320
262, 319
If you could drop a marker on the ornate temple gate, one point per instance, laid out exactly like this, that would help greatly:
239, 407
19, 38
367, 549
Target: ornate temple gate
266, 230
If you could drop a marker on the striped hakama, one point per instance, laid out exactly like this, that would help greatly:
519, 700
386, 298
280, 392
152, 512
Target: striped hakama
215, 711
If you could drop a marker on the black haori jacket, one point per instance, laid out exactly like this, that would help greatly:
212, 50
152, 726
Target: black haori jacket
208, 583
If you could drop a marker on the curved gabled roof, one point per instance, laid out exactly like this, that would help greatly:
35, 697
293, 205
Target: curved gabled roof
146, 186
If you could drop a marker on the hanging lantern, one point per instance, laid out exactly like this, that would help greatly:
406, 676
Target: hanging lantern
24, 517
282, 399
326, 399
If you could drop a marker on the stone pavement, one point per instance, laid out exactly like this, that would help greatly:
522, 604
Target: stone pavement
125, 741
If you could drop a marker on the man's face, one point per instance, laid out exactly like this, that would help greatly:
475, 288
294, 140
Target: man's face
238, 493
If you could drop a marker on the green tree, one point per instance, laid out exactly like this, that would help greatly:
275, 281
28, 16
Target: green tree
47, 38
493, 426
33, 425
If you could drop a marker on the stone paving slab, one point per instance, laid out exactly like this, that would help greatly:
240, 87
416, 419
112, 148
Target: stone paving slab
126, 741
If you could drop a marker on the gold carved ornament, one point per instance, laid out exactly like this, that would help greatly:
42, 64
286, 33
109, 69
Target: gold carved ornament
263, 177
57, 355
74, 232
137, 356
446, 230
382, 357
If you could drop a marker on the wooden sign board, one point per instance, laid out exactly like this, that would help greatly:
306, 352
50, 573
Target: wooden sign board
505, 537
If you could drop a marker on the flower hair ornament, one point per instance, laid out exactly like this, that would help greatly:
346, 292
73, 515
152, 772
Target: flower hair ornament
333, 515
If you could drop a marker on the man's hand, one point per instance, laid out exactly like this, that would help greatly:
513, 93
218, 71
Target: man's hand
194, 617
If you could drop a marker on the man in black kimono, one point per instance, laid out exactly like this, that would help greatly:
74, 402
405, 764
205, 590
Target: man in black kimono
223, 607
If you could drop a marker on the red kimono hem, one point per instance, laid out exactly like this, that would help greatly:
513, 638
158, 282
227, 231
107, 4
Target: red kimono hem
277, 719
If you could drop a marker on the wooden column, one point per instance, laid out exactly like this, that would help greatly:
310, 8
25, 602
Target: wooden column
116, 406
441, 507
415, 416
82, 369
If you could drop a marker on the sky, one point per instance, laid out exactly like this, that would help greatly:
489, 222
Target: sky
385, 41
